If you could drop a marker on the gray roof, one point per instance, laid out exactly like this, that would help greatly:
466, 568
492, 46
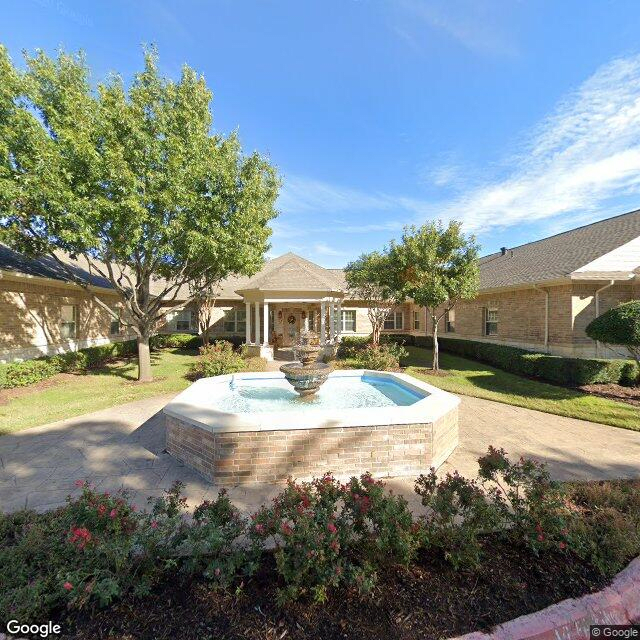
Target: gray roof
47, 267
290, 272
560, 255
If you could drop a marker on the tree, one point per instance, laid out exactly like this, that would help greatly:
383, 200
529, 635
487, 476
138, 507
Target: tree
205, 297
436, 266
130, 180
619, 326
369, 278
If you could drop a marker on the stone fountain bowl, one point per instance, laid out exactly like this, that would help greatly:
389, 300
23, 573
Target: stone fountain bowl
306, 379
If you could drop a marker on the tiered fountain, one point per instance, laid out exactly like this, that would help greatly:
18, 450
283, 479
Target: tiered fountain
307, 375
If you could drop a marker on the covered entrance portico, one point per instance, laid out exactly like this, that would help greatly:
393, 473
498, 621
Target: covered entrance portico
288, 296
275, 322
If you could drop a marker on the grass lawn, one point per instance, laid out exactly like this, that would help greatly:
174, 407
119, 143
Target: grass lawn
471, 378
73, 395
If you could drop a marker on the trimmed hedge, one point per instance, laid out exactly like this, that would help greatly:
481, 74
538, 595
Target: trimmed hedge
175, 341
557, 369
21, 374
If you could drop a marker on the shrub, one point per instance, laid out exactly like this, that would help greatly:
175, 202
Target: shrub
349, 346
328, 534
21, 374
606, 531
556, 369
619, 326
175, 341
216, 359
385, 357
532, 506
459, 513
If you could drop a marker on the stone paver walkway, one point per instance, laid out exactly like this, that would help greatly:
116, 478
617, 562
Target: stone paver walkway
124, 447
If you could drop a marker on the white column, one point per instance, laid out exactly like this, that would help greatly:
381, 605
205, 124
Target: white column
331, 321
257, 328
265, 315
323, 313
247, 318
339, 320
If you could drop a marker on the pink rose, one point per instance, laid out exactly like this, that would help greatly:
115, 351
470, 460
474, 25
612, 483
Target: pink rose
68, 586
332, 527
113, 513
154, 524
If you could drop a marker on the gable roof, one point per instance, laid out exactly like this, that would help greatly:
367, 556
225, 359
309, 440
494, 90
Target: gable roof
47, 267
558, 256
291, 272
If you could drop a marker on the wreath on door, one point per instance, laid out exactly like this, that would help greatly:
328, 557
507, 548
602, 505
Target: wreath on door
291, 319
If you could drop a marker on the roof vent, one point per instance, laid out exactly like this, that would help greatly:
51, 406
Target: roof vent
503, 251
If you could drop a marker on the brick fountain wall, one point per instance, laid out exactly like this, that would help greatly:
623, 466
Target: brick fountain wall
230, 458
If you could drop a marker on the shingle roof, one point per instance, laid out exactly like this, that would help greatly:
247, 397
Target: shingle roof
290, 272
556, 257
47, 267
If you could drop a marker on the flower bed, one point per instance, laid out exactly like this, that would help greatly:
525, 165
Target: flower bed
348, 560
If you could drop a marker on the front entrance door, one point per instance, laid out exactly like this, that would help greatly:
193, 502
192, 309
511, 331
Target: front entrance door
292, 324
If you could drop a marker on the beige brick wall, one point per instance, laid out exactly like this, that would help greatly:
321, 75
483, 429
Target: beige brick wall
521, 315
272, 456
30, 319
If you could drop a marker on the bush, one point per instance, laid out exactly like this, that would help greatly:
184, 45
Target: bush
20, 374
556, 369
175, 341
459, 513
385, 357
531, 506
216, 359
349, 346
328, 534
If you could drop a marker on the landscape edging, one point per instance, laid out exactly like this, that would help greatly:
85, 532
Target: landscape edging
570, 619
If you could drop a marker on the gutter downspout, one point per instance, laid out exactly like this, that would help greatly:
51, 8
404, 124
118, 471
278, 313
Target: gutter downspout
546, 316
597, 300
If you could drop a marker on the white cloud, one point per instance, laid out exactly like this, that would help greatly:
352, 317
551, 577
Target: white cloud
576, 161
323, 249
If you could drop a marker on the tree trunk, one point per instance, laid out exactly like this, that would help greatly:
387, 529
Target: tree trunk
144, 358
375, 336
435, 365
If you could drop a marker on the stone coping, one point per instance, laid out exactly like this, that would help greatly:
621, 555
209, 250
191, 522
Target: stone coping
571, 619
196, 406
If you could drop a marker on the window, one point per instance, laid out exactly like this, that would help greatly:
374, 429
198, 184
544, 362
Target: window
235, 320
312, 320
394, 321
348, 320
116, 326
491, 322
183, 320
69, 316
450, 321
416, 320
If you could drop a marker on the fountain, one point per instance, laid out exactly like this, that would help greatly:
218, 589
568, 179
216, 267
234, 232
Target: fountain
307, 375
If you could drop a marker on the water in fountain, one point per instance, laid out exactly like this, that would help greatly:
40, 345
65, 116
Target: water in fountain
307, 375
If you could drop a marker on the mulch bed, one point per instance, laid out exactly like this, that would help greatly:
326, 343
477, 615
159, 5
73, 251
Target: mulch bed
630, 395
428, 601
430, 372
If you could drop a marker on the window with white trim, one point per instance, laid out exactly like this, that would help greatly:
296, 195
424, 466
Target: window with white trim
491, 322
235, 320
348, 320
394, 321
115, 326
312, 320
416, 321
68, 326
450, 321
184, 320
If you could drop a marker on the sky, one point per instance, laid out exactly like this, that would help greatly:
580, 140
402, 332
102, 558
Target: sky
520, 118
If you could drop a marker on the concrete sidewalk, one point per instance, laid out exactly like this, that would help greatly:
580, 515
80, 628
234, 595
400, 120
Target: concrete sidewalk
123, 446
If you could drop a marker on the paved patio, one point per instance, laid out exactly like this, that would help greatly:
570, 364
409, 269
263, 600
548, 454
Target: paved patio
123, 447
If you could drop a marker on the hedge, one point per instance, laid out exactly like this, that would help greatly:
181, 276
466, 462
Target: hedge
557, 369
21, 374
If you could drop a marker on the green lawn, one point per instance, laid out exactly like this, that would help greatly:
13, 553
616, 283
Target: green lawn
471, 378
111, 385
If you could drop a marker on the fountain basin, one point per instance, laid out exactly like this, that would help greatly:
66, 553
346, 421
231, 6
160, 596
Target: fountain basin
253, 427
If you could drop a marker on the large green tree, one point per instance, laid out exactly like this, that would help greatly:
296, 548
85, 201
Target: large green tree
131, 181
370, 278
436, 266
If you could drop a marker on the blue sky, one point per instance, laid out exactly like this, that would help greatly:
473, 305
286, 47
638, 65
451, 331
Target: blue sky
520, 118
